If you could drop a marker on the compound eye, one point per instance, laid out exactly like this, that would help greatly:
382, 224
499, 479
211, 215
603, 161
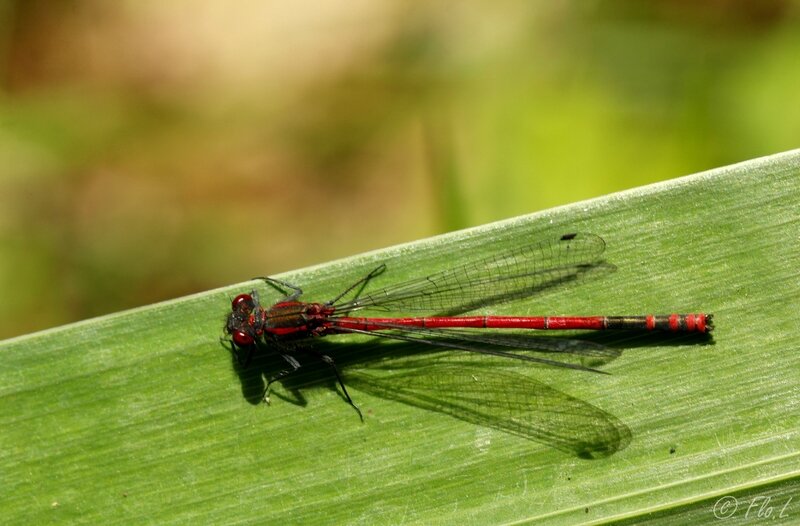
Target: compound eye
241, 298
242, 339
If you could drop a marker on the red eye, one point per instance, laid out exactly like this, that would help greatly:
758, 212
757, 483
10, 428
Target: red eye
241, 298
242, 339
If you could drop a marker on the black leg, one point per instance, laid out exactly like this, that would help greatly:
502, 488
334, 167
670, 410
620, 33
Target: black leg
283, 374
363, 282
329, 361
296, 291
235, 351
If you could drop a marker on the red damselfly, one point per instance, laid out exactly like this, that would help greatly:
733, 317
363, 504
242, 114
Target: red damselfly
465, 287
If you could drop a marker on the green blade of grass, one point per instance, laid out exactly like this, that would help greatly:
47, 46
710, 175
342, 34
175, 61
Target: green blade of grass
142, 416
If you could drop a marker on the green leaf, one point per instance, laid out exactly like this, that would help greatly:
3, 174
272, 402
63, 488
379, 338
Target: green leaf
144, 417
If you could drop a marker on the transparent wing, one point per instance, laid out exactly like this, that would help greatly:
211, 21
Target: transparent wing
503, 277
499, 399
585, 355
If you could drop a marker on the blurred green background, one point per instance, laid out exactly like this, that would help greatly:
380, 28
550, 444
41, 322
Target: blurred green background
154, 149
